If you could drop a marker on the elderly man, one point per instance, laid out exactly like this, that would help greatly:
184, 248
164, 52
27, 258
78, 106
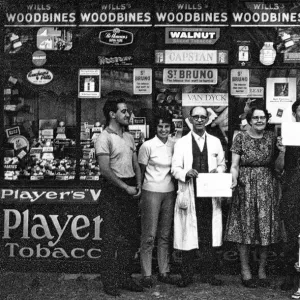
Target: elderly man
199, 224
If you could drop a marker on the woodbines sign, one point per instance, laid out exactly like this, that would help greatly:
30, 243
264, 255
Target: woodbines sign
54, 231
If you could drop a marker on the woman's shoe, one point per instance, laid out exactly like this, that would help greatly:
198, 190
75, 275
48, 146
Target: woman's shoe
147, 282
263, 282
249, 283
111, 290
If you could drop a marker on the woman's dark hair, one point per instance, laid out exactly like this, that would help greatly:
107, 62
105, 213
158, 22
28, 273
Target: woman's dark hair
111, 105
253, 109
165, 117
295, 105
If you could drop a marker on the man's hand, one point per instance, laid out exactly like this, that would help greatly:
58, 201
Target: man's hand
297, 267
213, 171
192, 173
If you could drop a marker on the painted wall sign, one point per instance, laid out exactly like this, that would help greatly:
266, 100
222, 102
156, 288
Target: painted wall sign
39, 76
254, 92
240, 81
169, 13
89, 83
46, 195
39, 58
191, 56
261, 13
190, 76
207, 36
35, 233
116, 37
205, 99
142, 81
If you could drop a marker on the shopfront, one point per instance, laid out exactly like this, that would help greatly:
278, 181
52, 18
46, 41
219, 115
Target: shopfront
61, 61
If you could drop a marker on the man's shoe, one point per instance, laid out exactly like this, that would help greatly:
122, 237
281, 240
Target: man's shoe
147, 282
184, 282
263, 282
249, 283
111, 290
212, 280
166, 278
130, 285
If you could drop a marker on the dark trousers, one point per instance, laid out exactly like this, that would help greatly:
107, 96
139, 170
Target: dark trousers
120, 238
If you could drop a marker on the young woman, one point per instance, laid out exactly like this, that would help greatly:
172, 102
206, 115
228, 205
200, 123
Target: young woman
157, 200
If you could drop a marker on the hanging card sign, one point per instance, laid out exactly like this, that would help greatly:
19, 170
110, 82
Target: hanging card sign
89, 83
142, 81
39, 76
240, 81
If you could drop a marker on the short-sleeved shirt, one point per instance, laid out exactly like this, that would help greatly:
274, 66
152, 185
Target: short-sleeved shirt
157, 156
120, 150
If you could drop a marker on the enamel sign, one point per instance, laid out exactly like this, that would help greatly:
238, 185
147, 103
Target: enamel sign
116, 37
39, 76
190, 76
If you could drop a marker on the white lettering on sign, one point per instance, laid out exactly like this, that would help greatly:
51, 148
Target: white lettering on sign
36, 195
39, 227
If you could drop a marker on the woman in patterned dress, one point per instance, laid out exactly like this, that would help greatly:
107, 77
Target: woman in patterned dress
254, 213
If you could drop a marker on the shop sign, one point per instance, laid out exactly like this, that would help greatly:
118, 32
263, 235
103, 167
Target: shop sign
207, 36
116, 37
39, 58
191, 56
265, 14
34, 233
89, 83
45, 195
142, 81
39, 76
240, 81
115, 60
190, 76
254, 92
205, 99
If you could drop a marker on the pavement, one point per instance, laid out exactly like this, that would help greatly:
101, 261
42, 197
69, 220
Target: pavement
60, 286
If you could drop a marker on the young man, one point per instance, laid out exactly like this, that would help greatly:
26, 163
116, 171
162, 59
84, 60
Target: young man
197, 152
116, 154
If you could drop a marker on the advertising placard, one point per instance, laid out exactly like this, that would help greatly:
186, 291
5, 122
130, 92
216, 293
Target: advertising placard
191, 56
142, 81
89, 83
281, 93
240, 81
190, 76
254, 92
205, 99
208, 36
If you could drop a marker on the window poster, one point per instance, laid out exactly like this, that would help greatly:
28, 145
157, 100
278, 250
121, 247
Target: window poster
281, 93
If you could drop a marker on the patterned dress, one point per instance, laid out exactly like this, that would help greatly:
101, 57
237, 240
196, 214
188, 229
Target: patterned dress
254, 213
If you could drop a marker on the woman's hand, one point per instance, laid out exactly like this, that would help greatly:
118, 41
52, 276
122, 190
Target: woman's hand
234, 183
279, 144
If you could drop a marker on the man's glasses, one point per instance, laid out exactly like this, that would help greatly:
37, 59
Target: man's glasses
256, 118
197, 117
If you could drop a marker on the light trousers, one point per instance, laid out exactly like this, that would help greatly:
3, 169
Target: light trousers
157, 210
